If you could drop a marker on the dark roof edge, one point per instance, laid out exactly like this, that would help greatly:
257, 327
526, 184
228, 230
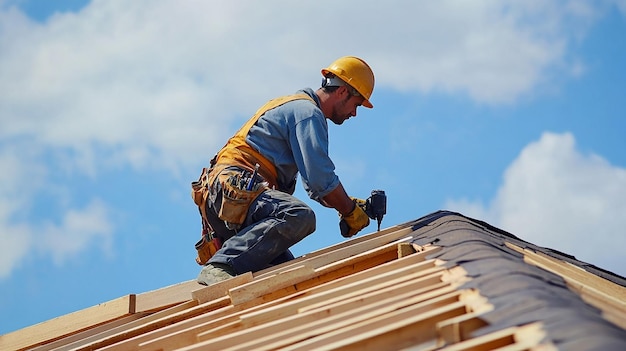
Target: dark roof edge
598, 271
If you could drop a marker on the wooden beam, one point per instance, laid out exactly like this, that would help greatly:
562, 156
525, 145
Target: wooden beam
529, 335
360, 239
410, 285
343, 250
68, 324
394, 332
388, 251
354, 269
159, 299
342, 294
320, 296
458, 329
218, 327
363, 329
219, 290
574, 273
416, 261
79, 337
109, 342
96, 335
307, 325
405, 249
599, 292
263, 286
184, 332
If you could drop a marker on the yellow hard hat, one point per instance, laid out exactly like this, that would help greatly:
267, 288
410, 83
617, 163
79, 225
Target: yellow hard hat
355, 72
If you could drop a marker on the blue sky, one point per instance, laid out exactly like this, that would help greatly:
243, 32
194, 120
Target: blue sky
512, 112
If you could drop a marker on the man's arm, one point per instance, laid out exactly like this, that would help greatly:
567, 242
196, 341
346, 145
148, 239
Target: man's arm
339, 200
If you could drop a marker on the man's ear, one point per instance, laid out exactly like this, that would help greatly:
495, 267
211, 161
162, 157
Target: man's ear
342, 90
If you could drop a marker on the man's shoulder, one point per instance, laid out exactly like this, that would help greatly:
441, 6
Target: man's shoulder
303, 105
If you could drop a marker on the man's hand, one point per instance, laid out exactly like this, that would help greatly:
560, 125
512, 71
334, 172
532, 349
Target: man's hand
359, 202
354, 221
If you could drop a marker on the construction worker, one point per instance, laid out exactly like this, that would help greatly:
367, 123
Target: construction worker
250, 207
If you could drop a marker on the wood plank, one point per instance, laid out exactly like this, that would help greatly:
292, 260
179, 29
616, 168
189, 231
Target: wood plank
216, 291
207, 295
68, 324
457, 329
187, 336
185, 333
374, 332
529, 335
159, 299
343, 250
406, 230
416, 261
78, 337
610, 312
331, 271
411, 284
405, 249
170, 339
360, 247
575, 273
127, 335
279, 320
597, 291
330, 279
400, 334
360, 286
91, 335
263, 286
389, 249
501, 339
313, 323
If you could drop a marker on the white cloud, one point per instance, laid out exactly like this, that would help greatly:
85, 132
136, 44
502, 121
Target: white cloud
555, 196
16, 241
77, 231
16, 191
23, 185
156, 84
160, 79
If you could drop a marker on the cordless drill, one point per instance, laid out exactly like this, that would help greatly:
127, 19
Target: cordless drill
375, 208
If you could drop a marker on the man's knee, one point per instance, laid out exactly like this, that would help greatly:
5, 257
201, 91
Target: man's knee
298, 223
307, 220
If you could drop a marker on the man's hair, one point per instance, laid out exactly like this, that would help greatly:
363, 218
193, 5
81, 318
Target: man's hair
328, 89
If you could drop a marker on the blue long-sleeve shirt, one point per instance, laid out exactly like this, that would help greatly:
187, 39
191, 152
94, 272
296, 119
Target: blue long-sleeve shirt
294, 137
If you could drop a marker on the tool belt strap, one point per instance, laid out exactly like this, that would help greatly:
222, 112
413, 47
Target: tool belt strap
209, 243
237, 152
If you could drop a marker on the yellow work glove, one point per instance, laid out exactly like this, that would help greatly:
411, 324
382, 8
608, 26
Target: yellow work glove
359, 202
354, 221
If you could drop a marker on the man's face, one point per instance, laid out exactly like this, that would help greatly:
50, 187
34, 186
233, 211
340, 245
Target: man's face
345, 106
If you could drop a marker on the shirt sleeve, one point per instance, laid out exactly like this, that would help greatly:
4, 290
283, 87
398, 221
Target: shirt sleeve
309, 145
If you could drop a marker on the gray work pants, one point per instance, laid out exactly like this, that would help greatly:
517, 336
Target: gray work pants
275, 222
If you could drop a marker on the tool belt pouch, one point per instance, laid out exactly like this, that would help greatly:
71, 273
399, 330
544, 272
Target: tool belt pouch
235, 201
200, 188
207, 247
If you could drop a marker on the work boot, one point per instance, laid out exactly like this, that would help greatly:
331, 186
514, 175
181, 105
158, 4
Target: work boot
215, 272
